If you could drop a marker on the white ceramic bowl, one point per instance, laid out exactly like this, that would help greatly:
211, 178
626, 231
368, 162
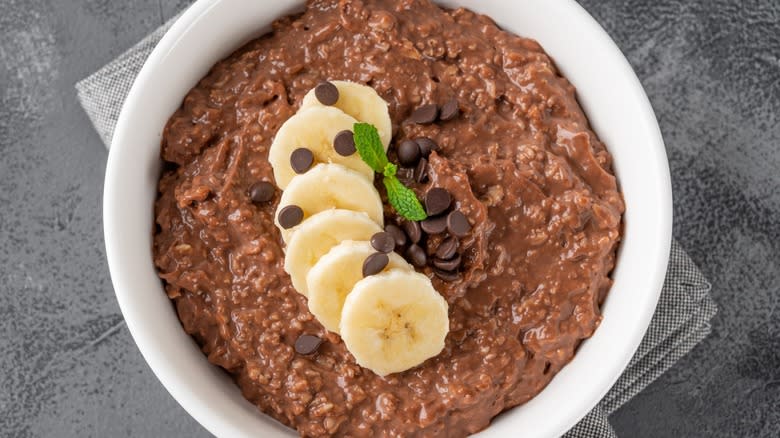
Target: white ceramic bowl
611, 96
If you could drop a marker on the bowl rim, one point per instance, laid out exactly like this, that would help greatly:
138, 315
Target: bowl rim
220, 426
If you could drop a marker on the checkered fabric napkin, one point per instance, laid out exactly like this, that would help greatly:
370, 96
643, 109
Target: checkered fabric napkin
681, 320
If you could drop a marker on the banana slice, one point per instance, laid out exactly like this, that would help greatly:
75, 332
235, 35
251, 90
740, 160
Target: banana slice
394, 321
331, 279
328, 186
315, 236
361, 102
314, 128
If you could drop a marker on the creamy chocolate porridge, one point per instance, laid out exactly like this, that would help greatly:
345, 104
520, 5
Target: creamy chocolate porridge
521, 253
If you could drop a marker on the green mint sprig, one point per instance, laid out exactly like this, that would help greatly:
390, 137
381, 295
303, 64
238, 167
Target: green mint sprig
371, 150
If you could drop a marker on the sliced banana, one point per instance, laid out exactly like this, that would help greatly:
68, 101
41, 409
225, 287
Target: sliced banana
314, 129
361, 102
328, 186
315, 236
394, 321
332, 278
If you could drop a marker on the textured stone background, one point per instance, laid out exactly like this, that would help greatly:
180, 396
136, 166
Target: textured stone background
68, 367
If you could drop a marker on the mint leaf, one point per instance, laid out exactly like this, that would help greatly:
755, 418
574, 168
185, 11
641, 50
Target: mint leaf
390, 170
403, 199
372, 151
369, 146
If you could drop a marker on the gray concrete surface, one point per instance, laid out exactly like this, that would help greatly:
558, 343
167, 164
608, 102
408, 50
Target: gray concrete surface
68, 367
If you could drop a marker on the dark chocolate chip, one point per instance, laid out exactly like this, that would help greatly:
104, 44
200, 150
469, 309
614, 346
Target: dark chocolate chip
326, 93
426, 145
261, 192
449, 110
425, 114
458, 224
447, 248
301, 160
437, 201
375, 263
408, 153
307, 344
344, 143
447, 265
383, 242
434, 224
445, 275
416, 256
398, 234
405, 175
290, 216
412, 231
421, 171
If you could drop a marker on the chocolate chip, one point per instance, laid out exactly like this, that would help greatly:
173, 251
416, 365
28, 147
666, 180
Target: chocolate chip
290, 216
307, 344
383, 242
375, 263
344, 143
447, 265
426, 145
405, 175
416, 256
412, 231
458, 224
398, 234
326, 93
421, 171
445, 275
437, 200
261, 192
301, 160
449, 110
447, 248
425, 114
408, 153
434, 224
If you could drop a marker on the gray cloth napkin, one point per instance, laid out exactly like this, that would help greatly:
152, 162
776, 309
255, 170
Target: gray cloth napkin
681, 320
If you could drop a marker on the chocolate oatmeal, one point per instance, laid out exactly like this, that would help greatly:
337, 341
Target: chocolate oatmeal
534, 217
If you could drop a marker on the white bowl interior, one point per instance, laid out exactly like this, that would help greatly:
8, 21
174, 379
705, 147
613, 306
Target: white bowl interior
611, 96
